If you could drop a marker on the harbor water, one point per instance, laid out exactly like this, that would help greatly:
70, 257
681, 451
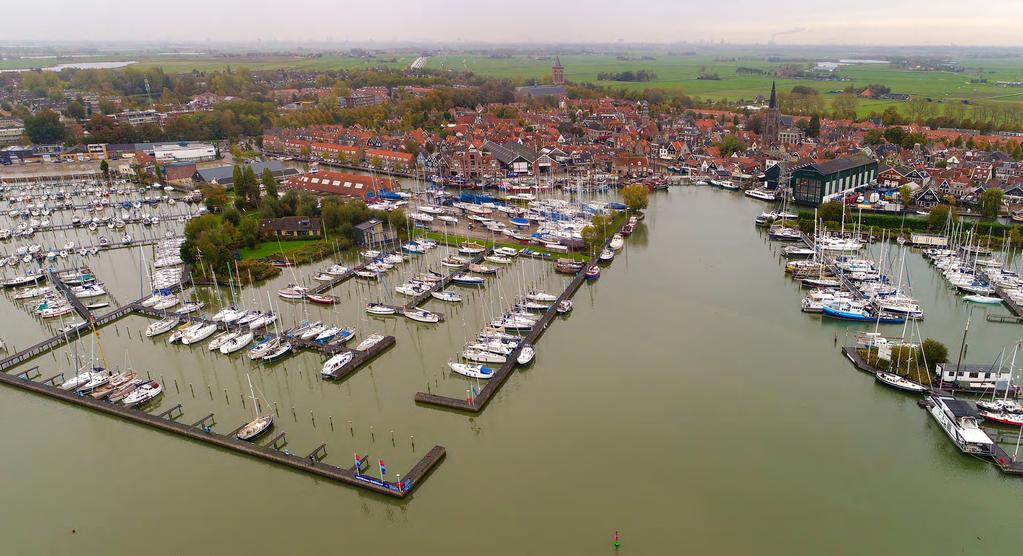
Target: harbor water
686, 402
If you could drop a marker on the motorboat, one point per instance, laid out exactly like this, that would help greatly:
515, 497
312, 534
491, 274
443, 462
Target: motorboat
312, 331
236, 343
369, 341
526, 355
900, 383
1004, 418
336, 364
199, 334
327, 333
454, 261
468, 279
293, 292
448, 296
606, 255
564, 306
190, 307
79, 380
617, 242
471, 371
264, 347
282, 349
255, 428
321, 299
984, 299
421, 315
541, 297
263, 319
593, 273
181, 331
958, 419
166, 302
482, 269
380, 309
143, 394
220, 340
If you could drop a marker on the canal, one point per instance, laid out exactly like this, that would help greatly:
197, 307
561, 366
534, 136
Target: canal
686, 402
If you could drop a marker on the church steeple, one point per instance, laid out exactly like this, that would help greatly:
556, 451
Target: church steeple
558, 72
773, 103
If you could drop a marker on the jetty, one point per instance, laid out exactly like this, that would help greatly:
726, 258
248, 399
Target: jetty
201, 431
476, 403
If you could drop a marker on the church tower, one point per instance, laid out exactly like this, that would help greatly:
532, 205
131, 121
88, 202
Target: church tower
558, 72
770, 128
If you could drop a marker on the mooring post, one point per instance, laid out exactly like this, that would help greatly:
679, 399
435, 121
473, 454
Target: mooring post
331, 419
226, 397
413, 439
176, 386
350, 428
192, 389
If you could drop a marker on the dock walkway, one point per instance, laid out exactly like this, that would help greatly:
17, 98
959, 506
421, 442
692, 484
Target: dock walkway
476, 403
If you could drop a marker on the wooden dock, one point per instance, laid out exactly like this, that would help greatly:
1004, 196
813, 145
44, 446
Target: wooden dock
202, 432
476, 403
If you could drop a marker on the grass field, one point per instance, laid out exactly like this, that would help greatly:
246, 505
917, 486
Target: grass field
679, 72
271, 248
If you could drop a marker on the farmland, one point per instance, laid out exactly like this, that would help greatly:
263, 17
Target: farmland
677, 72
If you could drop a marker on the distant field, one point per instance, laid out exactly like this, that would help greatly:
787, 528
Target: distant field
205, 63
679, 73
257, 63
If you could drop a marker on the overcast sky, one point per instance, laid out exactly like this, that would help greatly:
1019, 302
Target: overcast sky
941, 22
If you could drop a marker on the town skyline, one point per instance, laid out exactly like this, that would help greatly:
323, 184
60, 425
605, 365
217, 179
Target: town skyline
792, 22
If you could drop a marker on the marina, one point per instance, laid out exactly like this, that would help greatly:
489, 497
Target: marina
378, 399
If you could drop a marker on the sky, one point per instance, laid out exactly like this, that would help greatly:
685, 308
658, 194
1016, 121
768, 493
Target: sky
847, 22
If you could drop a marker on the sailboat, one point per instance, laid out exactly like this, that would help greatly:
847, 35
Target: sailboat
259, 424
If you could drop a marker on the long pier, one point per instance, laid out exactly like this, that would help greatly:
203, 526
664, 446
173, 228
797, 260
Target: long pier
476, 403
202, 432
72, 299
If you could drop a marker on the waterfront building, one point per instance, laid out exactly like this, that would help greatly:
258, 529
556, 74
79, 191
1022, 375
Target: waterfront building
831, 180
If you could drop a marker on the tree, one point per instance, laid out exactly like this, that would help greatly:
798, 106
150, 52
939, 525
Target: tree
307, 205
215, 196
844, 106
814, 127
104, 168
45, 127
991, 203
75, 110
251, 187
232, 215
730, 145
939, 215
636, 196
270, 183
894, 135
873, 137
905, 196
830, 211
249, 232
933, 352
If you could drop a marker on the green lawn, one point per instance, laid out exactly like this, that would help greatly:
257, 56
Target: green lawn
271, 248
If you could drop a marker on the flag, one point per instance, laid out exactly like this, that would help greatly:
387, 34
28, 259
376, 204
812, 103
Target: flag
383, 470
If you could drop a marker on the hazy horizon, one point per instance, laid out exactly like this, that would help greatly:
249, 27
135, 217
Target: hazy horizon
786, 22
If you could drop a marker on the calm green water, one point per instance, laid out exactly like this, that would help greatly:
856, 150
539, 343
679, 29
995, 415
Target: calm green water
686, 402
